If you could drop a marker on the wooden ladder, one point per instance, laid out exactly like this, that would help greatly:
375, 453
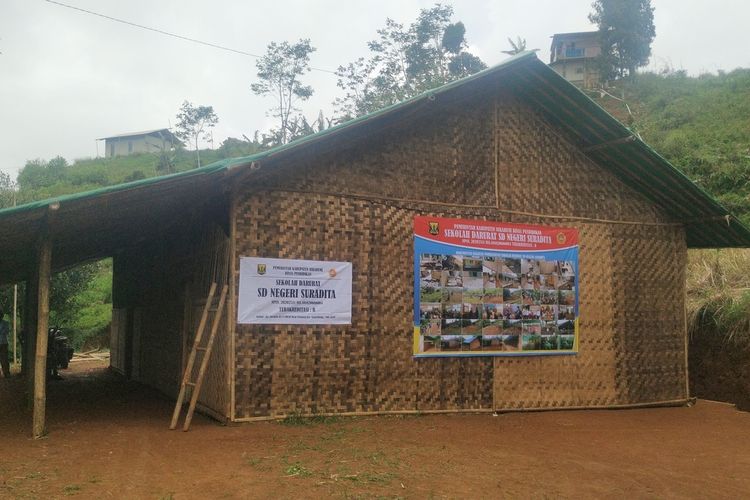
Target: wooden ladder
186, 377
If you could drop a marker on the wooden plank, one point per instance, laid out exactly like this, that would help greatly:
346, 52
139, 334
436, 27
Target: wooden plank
231, 320
191, 359
186, 324
29, 331
206, 357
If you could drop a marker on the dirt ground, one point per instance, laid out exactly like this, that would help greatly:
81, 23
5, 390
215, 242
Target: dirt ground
109, 439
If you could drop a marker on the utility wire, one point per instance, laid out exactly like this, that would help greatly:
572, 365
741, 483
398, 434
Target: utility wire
167, 33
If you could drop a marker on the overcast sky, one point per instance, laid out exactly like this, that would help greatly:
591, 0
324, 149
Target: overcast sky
67, 77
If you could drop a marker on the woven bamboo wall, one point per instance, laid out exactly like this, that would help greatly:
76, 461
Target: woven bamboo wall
358, 206
211, 265
166, 281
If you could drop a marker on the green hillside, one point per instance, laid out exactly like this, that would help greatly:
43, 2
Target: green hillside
701, 125
41, 179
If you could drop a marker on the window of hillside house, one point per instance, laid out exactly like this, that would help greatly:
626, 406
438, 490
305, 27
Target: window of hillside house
572, 51
130, 146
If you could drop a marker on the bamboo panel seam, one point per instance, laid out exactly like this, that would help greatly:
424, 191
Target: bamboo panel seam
468, 411
392, 202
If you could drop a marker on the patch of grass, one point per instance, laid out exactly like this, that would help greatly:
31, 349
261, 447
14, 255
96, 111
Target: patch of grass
371, 477
296, 419
403, 416
301, 445
718, 288
259, 463
72, 489
336, 435
380, 458
361, 496
297, 469
339, 433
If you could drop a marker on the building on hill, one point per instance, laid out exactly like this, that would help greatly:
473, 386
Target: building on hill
147, 141
573, 55
514, 146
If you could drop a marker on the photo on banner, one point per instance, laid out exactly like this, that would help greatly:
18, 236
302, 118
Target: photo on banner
485, 288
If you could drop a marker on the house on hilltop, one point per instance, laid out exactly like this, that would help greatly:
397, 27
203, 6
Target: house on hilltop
573, 55
147, 141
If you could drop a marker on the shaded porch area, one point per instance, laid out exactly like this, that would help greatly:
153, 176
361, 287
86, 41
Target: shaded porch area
166, 237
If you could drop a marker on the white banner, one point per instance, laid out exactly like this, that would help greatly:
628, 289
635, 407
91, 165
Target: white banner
294, 292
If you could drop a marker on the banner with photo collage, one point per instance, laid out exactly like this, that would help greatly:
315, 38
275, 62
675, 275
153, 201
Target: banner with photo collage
484, 288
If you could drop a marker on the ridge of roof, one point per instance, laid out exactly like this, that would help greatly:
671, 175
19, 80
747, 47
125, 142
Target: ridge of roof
574, 34
135, 134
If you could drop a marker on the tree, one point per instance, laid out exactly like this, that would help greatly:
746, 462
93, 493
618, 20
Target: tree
405, 61
40, 174
65, 288
626, 28
515, 47
232, 147
299, 126
280, 71
194, 123
7, 191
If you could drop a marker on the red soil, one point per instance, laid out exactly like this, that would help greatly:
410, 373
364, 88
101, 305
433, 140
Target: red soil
109, 438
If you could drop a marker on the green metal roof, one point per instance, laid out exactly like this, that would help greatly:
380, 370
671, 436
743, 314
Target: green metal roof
601, 137
613, 146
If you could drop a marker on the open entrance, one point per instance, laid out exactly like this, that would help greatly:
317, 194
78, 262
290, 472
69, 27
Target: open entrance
80, 315
126, 266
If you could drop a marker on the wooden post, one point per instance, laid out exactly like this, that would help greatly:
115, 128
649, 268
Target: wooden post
231, 312
15, 324
29, 331
40, 364
43, 275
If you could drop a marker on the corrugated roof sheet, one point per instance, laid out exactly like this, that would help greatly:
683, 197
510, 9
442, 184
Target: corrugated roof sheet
137, 134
